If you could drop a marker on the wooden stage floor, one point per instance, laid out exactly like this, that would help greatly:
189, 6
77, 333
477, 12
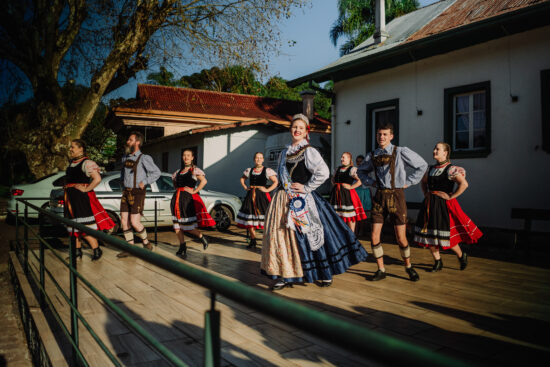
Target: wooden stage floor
493, 312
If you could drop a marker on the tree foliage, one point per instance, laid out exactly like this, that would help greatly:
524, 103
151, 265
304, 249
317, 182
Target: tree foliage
103, 43
243, 80
356, 20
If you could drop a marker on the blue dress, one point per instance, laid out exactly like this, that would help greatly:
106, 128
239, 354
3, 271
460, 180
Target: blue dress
287, 253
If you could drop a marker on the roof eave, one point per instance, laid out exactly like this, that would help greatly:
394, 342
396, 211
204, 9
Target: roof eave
520, 20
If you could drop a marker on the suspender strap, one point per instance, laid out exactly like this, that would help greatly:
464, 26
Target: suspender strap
134, 169
392, 167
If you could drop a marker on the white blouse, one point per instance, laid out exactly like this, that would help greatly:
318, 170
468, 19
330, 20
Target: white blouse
196, 172
88, 167
268, 172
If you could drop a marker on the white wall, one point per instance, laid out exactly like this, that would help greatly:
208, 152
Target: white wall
517, 172
223, 155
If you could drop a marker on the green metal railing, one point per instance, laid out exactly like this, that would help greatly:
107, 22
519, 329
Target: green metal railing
358, 340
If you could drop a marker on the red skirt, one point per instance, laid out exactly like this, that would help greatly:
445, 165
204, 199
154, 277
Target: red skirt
463, 230
79, 205
203, 217
347, 204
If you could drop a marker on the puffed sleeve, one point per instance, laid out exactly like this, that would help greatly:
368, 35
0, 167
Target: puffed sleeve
317, 166
353, 172
174, 175
270, 173
364, 169
246, 172
198, 172
90, 166
455, 171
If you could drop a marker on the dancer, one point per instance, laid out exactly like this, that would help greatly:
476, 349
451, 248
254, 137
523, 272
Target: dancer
343, 197
80, 201
252, 212
304, 239
363, 191
441, 223
188, 210
138, 171
388, 163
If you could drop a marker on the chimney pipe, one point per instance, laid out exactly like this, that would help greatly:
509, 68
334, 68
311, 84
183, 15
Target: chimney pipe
307, 103
380, 33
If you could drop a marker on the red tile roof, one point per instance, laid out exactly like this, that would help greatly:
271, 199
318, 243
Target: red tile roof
187, 100
464, 12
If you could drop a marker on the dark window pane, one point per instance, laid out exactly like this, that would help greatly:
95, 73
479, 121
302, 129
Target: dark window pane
462, 123
462, 104
165, 183
479, 101
384, 117
479, 138
479, 120
114, 184
462, 140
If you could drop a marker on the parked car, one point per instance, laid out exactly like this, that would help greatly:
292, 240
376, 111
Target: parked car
38, 189
222, 207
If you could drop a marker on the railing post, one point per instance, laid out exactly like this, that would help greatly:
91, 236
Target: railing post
17, 229
156, 222
26, 241
74, 300
212, 353
41, 297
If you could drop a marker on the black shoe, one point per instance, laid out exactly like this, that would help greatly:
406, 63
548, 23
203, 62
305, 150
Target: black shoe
463, 261
182, 250
413, 275
379, 275
280, 285
438, 265
78, 252
204, 242
252, 244
122, 254
97, 254
325, 283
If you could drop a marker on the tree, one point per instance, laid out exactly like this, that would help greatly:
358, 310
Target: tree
356, 20
241, 79
104, 43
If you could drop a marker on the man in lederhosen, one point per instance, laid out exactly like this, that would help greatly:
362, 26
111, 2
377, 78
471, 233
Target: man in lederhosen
388, 163
138, 171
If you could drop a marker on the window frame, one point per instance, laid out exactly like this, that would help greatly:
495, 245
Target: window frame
371, 131
448, 108
545, 113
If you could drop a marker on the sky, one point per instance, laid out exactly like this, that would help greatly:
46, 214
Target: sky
308, 28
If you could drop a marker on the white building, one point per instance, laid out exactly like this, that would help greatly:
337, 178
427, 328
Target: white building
224, 130
475, 74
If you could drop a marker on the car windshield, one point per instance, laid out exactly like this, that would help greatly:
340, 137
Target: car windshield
43, 178
164, 183
115, 185
59, 182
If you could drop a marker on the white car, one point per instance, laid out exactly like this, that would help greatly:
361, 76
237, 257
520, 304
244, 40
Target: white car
222, 207
38, 189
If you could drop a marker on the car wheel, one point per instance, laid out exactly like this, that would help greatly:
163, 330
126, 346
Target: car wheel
116, 220
222, 216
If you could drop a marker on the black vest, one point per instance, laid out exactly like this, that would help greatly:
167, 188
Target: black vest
441, 182
185, 180
75, 174
300, 173
258, 180
343, 176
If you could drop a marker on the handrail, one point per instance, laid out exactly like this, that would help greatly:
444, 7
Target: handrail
357, 339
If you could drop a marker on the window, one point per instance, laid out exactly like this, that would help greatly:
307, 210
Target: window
468, 120
545, 102
382, 113
164, 161
164, 183
114, 184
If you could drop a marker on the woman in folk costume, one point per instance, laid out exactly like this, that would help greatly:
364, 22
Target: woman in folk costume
255, 204
188, 210
80, 202
441, 223
304, 239
343, 197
